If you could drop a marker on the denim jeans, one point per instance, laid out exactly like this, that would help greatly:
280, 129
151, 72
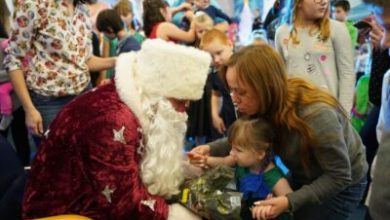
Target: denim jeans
339, 207
49, 106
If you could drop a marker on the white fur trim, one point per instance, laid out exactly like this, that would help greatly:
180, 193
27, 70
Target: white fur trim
172, 70
125, 82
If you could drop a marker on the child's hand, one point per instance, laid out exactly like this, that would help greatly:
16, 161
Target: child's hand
198, 160
198, 155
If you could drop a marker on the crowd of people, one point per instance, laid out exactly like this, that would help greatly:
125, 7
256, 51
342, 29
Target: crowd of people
124, 110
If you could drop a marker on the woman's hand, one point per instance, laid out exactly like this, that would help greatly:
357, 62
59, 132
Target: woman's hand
219, 124
34, 122
376, 34
278, 205
261, 212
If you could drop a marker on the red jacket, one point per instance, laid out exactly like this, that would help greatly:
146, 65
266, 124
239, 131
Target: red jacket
81, 158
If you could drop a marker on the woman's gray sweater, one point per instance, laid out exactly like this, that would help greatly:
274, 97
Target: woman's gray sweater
337, 162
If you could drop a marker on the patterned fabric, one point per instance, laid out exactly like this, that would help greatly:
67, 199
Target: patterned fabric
58, 43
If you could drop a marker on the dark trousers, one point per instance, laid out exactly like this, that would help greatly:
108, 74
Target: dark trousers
368, 135
340, 207
12, 181
20, 136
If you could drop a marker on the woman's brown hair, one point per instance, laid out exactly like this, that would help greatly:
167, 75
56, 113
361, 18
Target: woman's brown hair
322, 25
262, 68
152, 14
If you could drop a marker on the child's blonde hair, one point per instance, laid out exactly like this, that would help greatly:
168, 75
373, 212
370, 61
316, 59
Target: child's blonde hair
252, 134
203, 19
322, 25
211, 36
124, 7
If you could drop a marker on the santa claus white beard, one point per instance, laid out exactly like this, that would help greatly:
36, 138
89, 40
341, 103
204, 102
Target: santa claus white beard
164, 131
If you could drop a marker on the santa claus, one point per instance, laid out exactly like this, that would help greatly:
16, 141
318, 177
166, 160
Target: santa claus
115, 152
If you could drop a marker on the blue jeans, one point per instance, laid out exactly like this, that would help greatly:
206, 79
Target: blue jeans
49, 106
339, 207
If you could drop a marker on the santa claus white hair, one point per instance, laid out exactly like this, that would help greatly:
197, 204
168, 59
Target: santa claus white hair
164, 129
144, 80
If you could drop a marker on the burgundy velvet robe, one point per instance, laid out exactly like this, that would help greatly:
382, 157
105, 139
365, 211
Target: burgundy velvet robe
80, 159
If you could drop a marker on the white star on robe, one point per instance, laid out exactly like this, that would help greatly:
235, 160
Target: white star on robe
149, 203
107, 192
118, 135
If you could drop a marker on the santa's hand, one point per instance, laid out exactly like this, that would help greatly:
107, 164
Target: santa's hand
279, 205
178, 212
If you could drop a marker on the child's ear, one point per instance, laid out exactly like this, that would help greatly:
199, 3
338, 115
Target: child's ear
261, 154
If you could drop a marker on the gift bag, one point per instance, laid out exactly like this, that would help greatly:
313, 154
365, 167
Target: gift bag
211, 195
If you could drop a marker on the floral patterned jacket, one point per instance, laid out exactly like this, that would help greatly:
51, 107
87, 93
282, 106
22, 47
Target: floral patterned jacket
57, 43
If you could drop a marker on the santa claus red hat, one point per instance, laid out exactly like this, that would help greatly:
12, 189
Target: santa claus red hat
171, 70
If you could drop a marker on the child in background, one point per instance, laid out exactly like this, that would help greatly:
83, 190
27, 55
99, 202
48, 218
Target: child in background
202, 24
215, 13
341, 11
5, 92
199, 112
125, 10
256, 174
110, 24
157, 18
318, 49
221, 49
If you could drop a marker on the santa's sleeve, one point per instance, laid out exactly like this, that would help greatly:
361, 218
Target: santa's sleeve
112, 168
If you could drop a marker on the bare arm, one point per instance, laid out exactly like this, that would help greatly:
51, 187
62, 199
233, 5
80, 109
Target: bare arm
96, 64
215, 161
169, 31
33, 117
105, 53
281, 188
182, 7
215, 106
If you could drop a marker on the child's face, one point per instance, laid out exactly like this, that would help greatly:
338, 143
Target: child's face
127, 19
339, 14
202, 3
201, 29
313, 9
246, 157
220, 52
